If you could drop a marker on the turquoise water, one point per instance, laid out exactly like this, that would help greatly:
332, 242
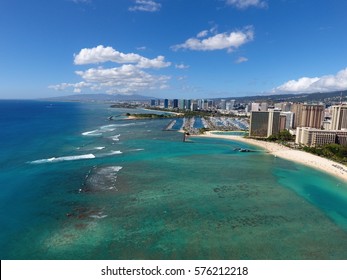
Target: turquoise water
235, 133
77, 186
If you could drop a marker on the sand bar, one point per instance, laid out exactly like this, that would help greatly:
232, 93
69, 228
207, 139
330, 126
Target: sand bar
281, 151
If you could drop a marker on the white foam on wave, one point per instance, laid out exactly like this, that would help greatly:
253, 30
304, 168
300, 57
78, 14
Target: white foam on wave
115, 137
109, 127
99, 148
92, 133
66, 158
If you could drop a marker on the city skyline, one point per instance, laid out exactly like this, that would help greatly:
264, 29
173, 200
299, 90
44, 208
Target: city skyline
171, 49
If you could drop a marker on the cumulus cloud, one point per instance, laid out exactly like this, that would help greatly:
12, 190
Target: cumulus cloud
315, 84
229, 41
244, 4
130, 77
101, 54
124, 79
145, 6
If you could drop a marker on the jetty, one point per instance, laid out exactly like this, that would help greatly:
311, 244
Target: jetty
170, 125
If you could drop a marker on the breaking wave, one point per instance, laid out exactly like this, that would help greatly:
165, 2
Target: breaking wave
66, 158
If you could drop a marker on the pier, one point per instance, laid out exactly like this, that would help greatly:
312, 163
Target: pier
170, 125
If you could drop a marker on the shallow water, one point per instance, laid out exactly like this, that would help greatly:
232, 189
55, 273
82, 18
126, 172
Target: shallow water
145, 194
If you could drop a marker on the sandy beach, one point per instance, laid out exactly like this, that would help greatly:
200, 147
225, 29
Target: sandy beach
281, 151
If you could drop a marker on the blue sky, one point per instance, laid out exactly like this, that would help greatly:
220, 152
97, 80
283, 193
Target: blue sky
172, 48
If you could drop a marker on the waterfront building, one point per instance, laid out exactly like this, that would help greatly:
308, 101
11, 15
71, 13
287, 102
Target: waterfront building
342, 139
312, 116
223, 104
283, 119
201, 104
297, 110
264, 124
152, 102
339, 117
313, 137
326, 125
175, 103
166, 103
194, 106
289, 119
189, 104
182, 104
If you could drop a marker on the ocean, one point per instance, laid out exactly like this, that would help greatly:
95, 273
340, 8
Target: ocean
76, 185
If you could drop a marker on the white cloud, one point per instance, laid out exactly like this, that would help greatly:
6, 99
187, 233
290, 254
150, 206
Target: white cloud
158, 62
202, 34
125, 79
129, 77
220, 41
241, 59
181, 66
77, 87
102, 54
244, 4
145, 6
316, 84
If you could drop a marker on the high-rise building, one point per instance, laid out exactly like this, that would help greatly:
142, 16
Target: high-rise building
289, 119
194, 106
283, 119
312, 116
264, 124
255, 107
264, 106
201, 104
175, 103
223, 104
297, 110
166, 103
339, 117
152, 102
284, 106
182, 104
232, 104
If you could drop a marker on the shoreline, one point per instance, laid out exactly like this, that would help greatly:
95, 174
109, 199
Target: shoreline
278, 150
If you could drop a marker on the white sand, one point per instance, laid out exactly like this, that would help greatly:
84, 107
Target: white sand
323, 164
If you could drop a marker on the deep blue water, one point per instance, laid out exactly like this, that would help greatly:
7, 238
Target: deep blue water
74, 185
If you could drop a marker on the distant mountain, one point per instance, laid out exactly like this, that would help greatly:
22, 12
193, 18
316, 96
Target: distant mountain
326, 97
101, 97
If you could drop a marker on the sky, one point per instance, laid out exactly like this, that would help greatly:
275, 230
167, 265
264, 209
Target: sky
182, 49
